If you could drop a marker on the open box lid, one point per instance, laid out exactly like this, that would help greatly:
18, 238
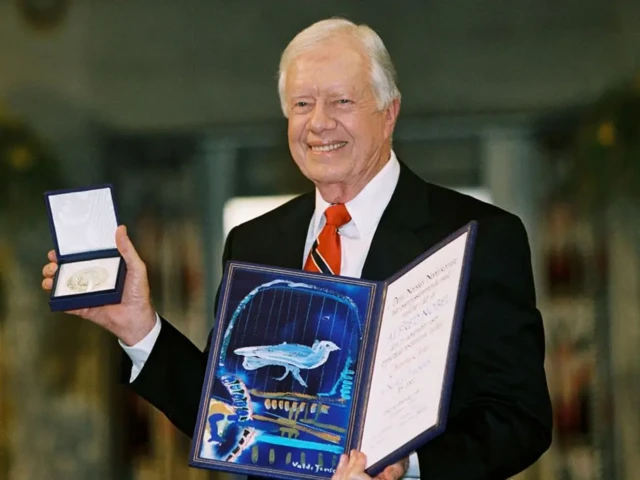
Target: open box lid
82, 220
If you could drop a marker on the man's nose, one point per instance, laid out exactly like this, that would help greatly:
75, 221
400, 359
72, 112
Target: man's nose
321, 119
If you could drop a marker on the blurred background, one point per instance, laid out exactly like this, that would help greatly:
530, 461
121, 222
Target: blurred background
533, 106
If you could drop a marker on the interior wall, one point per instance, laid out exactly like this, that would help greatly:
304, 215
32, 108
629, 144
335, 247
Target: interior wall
150, 63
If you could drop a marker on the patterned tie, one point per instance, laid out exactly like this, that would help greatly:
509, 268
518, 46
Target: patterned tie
325, 255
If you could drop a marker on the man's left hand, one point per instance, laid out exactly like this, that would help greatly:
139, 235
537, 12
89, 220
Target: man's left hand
351, 467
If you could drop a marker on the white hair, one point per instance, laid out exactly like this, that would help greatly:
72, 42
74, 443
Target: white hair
383, 73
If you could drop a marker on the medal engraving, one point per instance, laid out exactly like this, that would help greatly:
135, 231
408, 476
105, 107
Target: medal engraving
87, 279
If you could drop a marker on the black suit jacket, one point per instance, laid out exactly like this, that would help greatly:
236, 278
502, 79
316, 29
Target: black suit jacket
500, 414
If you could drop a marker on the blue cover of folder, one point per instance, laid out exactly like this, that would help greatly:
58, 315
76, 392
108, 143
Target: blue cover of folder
296, 374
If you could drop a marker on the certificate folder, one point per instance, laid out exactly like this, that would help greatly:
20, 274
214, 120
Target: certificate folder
303, 367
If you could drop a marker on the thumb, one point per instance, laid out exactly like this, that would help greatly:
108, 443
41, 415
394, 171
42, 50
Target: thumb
126, 248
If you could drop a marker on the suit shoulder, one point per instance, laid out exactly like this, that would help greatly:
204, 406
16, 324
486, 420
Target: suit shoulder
501, 234
448, 203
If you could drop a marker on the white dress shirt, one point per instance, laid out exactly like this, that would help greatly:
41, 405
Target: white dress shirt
365, 209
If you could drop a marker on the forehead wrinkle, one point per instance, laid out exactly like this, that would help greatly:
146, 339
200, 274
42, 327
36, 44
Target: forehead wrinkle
312, 83
331, 91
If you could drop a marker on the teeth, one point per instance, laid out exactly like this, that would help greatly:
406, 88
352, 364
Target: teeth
328, 148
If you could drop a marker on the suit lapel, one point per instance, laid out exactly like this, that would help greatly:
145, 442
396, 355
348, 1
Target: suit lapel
288, 248
396, 242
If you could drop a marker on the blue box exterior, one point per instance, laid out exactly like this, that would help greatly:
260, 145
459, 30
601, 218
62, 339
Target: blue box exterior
84, 300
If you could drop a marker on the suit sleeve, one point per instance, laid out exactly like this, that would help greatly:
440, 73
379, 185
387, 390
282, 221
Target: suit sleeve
173, 375
501, 422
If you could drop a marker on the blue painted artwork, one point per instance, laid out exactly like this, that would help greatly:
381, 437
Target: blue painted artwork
287, 356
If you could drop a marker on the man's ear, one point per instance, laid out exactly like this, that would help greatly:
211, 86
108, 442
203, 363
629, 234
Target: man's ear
391, 116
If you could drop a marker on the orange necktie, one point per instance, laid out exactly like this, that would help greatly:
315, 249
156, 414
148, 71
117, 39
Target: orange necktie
325, 255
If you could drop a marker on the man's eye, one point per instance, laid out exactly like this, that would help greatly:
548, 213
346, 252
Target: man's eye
344, 101
301, 104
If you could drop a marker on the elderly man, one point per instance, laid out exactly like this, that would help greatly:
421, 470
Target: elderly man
338, 92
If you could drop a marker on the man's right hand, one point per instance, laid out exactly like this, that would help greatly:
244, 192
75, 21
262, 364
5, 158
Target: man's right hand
134, 317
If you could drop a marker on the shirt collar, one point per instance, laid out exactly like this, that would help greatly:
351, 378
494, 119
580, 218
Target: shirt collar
368, 206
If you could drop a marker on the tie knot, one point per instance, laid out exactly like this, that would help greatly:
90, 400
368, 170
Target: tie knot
337, 215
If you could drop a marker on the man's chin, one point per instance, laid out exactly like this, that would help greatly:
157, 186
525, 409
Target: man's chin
326, 169
334, 169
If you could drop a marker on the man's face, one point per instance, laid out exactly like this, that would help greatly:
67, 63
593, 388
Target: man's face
336, 133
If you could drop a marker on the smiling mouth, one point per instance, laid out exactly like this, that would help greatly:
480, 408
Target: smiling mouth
328, 147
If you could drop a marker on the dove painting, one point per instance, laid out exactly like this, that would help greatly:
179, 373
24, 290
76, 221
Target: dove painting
293, 357
288, 350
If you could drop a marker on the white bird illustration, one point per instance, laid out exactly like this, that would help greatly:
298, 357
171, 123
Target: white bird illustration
291, 356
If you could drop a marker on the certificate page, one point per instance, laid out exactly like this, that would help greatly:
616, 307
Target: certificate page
412, 352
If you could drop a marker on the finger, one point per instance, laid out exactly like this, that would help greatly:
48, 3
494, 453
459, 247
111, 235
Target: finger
359, 476
392, 472
360, 460
341, 468
49, 270
388, 474
47, 284
51, 255
352, 459
357, 464
126, 248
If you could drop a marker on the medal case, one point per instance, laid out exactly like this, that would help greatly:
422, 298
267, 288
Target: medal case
91, 271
